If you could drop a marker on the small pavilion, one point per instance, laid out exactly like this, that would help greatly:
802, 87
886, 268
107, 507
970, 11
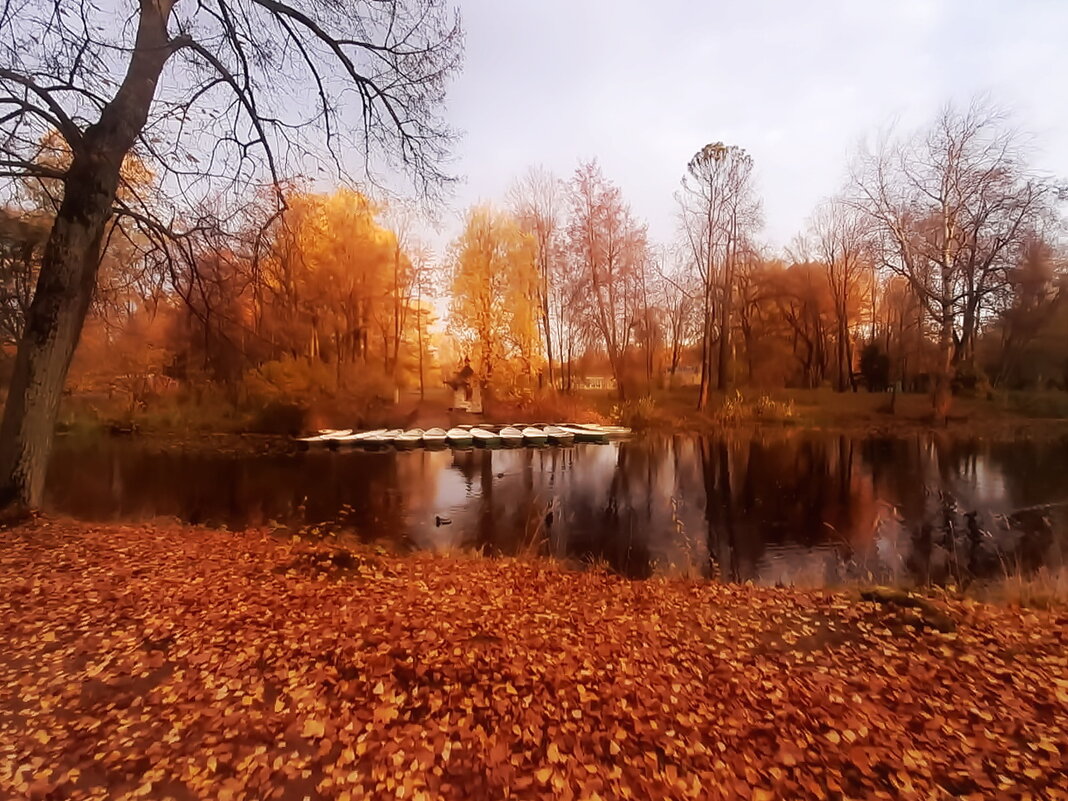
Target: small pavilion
466, 390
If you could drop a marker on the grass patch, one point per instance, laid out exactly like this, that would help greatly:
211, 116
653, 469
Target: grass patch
1045, 588
1042, 405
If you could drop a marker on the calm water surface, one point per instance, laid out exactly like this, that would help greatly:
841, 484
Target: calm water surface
787, 506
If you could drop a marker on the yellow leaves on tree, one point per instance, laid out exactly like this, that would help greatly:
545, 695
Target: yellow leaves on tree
333, 295
494, 292
329, 275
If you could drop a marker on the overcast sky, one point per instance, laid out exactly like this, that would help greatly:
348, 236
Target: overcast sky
641, 86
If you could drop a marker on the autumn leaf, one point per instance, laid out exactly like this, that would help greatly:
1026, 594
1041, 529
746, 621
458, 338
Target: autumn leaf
399, 670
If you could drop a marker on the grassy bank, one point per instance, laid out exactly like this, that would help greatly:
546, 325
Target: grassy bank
1008, 414
171, 662
1005, 413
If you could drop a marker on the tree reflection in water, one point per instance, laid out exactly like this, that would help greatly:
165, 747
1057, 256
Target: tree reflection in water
788, 506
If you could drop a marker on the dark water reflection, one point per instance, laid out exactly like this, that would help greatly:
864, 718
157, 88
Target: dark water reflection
789, 506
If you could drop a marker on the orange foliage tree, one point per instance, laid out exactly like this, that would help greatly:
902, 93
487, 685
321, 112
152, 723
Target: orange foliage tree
495, 290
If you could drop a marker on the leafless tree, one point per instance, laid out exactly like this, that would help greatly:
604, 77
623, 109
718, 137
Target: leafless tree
216, 98
609, 249
718, 205
838, 238
536, 200
953, 206
679, 296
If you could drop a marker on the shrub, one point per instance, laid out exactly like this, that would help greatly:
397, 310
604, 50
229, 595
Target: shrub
875, 367
280, 417
737, 408
970, 382
637, 414
290, 381
543, 407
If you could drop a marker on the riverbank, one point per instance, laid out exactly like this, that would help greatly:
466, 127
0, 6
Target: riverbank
1022, 414
180, 662
1003, 415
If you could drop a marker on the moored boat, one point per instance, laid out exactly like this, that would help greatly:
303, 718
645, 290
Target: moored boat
458, 438
356, 437
559, 435
325, 436
511, 437
409, 439
434, 438
610, 431
383, 440
534, 436
585, 434
484, 438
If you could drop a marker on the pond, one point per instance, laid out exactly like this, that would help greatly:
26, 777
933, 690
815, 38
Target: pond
789, 506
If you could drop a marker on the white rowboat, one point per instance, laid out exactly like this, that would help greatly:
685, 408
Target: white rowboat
434, 437
326, 435
349, 439
585, 434
559, 435
382, 440
409, 439
534, 436
459, 437
611, 431
484, 438
511, 437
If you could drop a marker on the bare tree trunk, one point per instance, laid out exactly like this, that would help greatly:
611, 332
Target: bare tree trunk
419, 320
726, 322
396, 315
844, 368
548, 328
943, 398
64, 290
849, 364
69, 266
702, 391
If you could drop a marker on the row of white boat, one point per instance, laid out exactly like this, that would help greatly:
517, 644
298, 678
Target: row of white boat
466, 436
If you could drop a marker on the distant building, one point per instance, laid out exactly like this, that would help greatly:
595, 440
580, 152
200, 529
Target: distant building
466, 390
596, 382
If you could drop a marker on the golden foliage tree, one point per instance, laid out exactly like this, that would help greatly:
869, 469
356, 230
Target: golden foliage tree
494, 293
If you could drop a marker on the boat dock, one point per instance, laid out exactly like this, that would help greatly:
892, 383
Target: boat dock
466, 436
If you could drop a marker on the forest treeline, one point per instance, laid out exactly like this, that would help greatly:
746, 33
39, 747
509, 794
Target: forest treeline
939, 266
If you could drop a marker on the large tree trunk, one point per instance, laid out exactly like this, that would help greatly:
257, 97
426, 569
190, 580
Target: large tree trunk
69, 266
844, 366
54, 323
943, 391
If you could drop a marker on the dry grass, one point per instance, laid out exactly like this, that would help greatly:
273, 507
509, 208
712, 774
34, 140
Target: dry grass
1046, 588
546, 407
